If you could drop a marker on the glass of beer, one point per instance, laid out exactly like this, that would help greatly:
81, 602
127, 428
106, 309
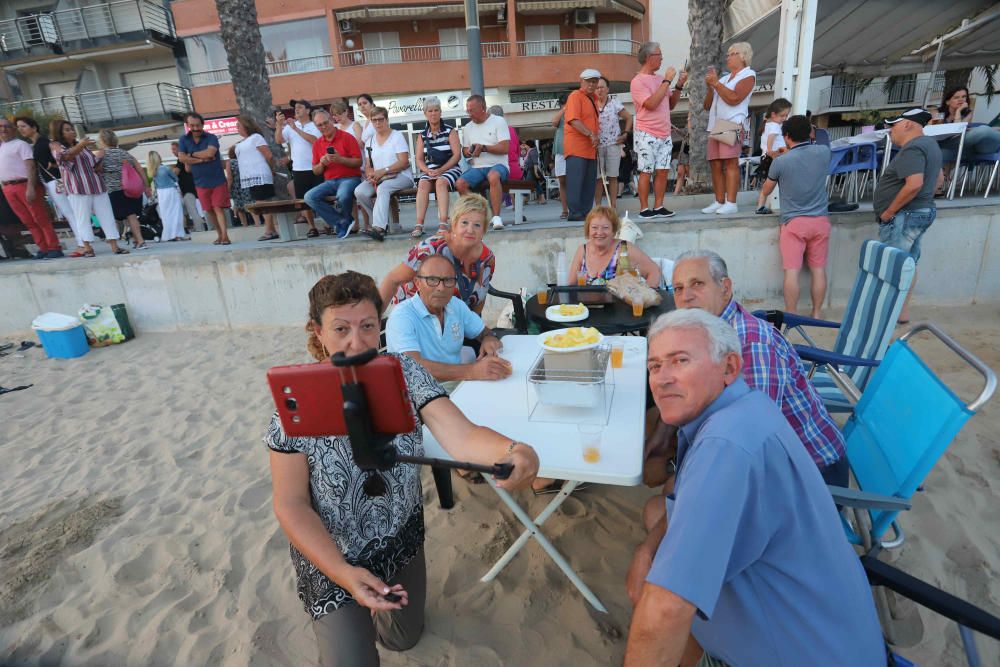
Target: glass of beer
590, 441
617, 355
637, 309
581, 278
543, 296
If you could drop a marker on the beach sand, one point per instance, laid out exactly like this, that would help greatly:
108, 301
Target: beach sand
136, 525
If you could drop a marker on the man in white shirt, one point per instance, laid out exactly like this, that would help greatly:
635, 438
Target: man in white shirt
300, 135
485, 143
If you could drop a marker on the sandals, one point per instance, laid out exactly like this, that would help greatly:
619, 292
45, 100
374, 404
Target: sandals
442, 228
312, 233
267, 237
563, 215
417, 232
375, 233
82, 253
121, 251
142, 246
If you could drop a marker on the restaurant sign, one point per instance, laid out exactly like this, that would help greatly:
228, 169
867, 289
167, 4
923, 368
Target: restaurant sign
413, 105
219, 126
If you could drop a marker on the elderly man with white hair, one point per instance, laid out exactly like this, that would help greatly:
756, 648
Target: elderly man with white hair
749, 562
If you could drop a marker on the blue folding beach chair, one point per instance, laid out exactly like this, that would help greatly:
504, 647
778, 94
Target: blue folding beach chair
880, 287
902, 424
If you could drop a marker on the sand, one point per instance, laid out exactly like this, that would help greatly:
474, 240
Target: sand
136, 526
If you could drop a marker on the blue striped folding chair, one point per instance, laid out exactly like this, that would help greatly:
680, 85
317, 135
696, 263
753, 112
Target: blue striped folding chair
880, 287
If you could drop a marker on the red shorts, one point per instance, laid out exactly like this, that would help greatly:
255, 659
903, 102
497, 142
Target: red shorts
217, 197
807, 235
720, 151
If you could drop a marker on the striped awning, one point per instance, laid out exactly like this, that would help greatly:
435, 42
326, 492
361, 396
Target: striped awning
633, 9
415, 11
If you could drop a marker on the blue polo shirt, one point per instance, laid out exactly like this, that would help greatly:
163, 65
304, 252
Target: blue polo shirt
755, 543
411, 328
206, 174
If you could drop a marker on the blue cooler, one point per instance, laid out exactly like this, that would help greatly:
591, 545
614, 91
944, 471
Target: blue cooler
62, 336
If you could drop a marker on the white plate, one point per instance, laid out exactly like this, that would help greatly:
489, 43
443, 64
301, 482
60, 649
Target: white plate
552, 314
545, 336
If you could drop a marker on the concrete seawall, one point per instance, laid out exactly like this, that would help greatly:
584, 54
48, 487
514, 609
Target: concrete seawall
211, 287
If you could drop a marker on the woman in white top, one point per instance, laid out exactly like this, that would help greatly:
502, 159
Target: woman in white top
728, 104
387, 170
366, 105
343, 121
255, 161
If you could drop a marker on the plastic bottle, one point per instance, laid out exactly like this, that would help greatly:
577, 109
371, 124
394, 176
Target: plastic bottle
561, 269
624, 263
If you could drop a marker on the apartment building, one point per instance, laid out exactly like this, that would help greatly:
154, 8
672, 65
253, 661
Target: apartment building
400, 51
98, 64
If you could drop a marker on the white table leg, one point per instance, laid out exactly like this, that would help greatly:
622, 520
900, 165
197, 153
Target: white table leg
958, 166
534, 531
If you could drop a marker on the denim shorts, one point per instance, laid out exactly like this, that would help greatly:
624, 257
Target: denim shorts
905, 228
477, 176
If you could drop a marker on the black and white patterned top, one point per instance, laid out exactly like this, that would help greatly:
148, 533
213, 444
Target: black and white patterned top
437, 150
382, 533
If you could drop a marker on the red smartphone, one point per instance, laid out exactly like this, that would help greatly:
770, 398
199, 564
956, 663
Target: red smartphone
310, 402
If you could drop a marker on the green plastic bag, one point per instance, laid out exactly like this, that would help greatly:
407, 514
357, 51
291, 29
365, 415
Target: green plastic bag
102, 325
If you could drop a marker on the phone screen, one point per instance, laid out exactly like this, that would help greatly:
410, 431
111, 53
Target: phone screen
310, 403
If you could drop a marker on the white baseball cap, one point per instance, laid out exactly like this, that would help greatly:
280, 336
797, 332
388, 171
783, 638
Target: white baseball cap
590, 74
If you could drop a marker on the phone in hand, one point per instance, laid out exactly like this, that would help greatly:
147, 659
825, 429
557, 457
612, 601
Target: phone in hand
391, 597
330, 150
310, 401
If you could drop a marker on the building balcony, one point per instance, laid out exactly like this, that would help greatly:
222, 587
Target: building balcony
906, 92
490, 50
274, 68
115, 107
107, 25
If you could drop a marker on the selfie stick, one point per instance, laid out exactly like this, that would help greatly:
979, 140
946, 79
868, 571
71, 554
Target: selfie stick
374, 451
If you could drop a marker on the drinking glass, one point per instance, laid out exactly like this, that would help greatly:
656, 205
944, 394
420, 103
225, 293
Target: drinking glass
637, 309
590, 441
617, 355
543, 296
581, 278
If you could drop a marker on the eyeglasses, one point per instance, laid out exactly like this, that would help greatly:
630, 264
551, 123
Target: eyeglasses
323, 124
380, 119
434, 281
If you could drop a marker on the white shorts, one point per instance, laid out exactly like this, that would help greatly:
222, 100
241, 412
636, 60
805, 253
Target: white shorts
560, 169
652, 153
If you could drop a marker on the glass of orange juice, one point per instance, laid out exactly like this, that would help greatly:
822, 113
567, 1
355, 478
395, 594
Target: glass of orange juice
590, 441
543, 296
637, 309
581, 278
617, 355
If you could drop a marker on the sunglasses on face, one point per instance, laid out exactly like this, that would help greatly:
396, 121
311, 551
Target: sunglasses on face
434, 281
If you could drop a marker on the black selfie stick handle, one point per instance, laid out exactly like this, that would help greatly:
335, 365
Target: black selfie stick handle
442, 481
498, 470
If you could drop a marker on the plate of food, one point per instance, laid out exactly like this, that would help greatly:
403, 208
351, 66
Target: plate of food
572, 339
567, 312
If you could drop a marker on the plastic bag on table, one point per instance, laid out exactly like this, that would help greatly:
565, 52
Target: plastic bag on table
633, 289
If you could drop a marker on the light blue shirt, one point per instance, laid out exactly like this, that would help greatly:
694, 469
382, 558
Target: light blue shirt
755, 543
411, 328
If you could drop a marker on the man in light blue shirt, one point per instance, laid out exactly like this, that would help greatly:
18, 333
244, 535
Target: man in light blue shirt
750, 558
432, 328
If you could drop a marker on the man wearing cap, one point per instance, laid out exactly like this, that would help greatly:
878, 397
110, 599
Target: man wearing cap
904, 196
653, 99
485, 144
580, 146
300, 134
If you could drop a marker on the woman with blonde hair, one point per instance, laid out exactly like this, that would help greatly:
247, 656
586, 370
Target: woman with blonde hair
168, 198
127, 209
599, 256
463, 245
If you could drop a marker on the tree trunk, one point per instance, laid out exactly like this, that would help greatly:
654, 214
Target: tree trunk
244, 47
705, 26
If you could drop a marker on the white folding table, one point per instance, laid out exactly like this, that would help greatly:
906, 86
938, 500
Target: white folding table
504, 407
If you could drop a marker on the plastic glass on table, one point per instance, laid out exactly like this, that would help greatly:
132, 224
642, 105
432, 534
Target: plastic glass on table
503, 406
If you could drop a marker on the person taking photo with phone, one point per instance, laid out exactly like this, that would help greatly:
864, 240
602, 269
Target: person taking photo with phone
359, 559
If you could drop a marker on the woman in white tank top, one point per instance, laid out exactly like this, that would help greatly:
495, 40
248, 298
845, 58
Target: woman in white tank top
728, 100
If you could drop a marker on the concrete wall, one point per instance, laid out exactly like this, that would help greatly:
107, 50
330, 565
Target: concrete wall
213, 288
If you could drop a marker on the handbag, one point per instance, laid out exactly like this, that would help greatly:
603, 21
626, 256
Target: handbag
725, 132
60, 188
133, 185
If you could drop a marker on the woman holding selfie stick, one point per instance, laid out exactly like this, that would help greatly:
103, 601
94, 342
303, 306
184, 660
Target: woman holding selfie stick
359, 559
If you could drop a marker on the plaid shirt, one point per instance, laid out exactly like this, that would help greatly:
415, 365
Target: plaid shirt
771, 365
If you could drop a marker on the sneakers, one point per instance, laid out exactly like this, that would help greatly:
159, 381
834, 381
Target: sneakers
663, 212
647, 214
727, 208
496, 222
344, 232
54, 254
763, 210
712, 208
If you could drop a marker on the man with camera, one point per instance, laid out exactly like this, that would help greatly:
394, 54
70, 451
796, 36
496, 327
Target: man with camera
485, 143
336, 157
431, 329
300, 134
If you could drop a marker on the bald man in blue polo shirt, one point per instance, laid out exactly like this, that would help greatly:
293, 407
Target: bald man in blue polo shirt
433, 327
750, 558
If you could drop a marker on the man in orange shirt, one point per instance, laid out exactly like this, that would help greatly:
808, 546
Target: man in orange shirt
580, 146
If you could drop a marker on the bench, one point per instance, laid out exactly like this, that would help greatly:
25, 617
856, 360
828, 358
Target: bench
285, 211
516, 189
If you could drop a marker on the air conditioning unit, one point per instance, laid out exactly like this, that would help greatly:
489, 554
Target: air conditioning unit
585, 16
347, 25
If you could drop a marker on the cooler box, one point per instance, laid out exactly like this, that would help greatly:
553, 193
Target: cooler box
61, 336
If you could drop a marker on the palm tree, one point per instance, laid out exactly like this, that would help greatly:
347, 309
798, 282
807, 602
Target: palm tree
244, 47
705, 26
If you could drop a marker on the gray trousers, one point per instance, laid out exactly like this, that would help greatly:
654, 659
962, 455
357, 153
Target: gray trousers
347, 636
376, 203
191, 208
581, 184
